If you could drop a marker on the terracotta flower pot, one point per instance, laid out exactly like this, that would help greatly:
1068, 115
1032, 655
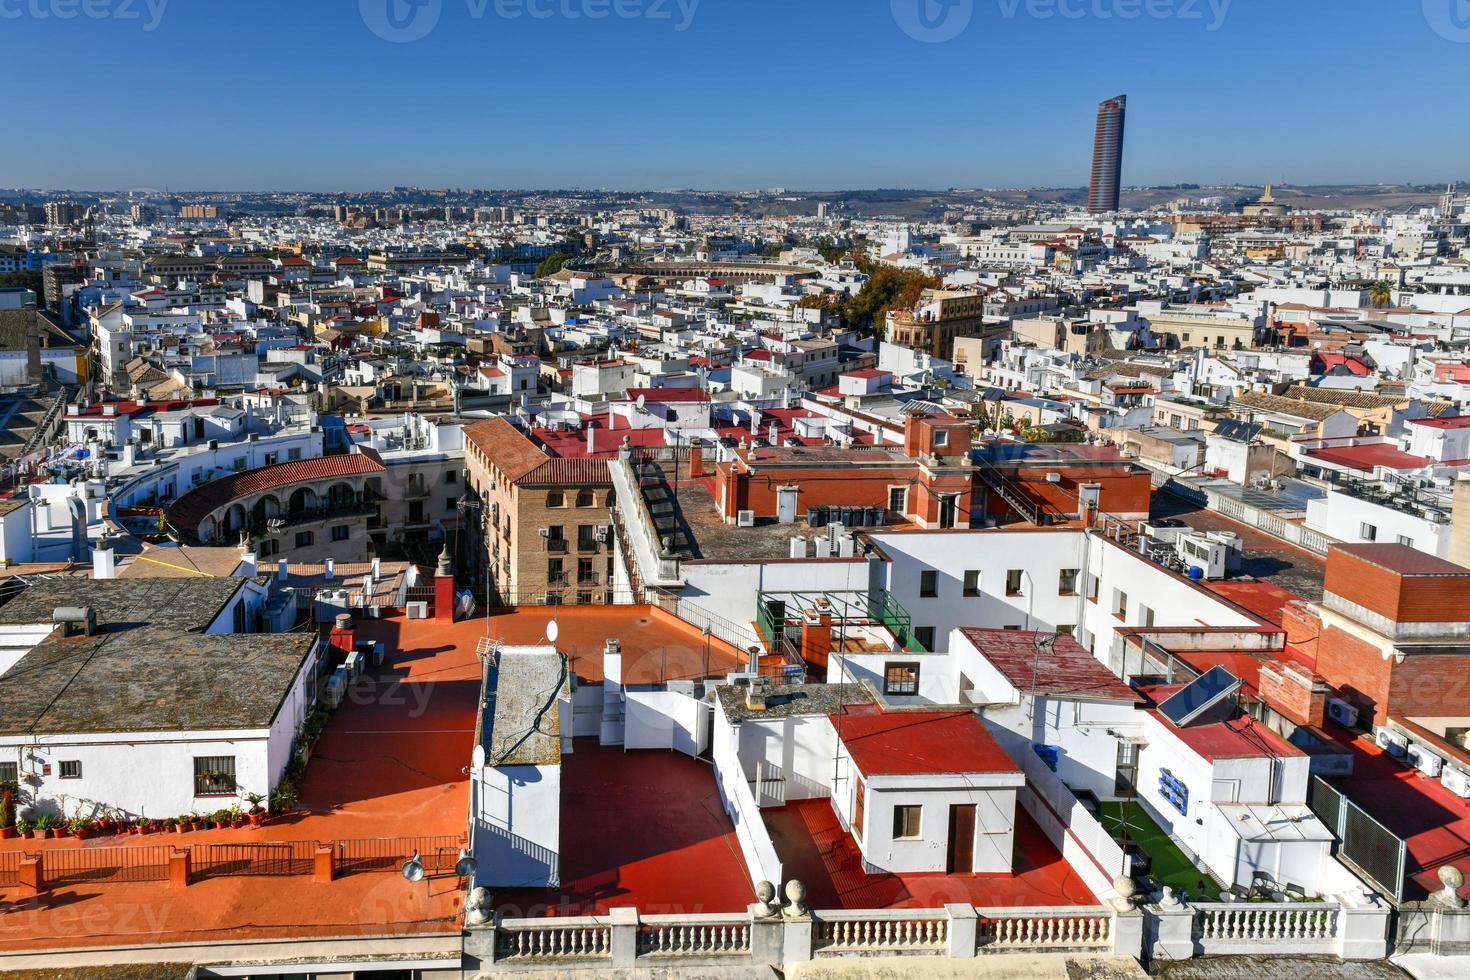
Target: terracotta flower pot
38, 834
6, 833
257, 819
179, 828
83, 834
54, 833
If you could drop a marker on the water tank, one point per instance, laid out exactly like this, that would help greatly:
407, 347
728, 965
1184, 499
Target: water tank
1196, 573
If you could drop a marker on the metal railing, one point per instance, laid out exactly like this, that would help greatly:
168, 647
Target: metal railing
268, 858
366, 854
90, 865
1366, 845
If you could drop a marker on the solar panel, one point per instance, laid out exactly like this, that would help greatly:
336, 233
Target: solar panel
1199, 696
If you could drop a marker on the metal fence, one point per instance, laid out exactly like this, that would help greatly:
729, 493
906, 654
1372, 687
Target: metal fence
77, 866
1370, 848
250, 860
9, 868
439, 854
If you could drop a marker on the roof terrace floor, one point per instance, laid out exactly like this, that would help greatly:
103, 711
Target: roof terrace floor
815, 849
640, 829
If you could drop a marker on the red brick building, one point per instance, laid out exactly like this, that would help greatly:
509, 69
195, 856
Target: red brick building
1392, 633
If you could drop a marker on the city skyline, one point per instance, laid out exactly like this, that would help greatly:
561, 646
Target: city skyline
450, 109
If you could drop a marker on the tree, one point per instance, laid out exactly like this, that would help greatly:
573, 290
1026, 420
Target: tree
1381, 293
552, 264
887, 289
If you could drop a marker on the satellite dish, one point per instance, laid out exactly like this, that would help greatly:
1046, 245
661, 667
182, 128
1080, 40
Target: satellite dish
479, 757
552, 631
466, 866
642, 401
413, 868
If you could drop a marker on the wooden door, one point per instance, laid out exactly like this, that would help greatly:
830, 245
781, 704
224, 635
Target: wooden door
962, 839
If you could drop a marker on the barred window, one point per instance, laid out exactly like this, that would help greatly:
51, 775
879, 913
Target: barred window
214, 775
71, 769
9, 772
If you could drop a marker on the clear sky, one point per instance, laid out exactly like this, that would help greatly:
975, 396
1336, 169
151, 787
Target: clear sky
651, 94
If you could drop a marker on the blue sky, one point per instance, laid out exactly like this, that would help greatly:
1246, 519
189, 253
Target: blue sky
302, 94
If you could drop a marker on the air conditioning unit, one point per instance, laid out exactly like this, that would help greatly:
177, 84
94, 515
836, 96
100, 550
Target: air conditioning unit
1456, 781
745, 518
1391, 742
604, 532
1425, 761
545, 532
1342, 712
418, 610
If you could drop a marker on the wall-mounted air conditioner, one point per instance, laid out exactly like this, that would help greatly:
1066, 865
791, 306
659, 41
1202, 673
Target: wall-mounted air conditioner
745, 518
1456, 781
1342, 712
1424, 760
1391, 742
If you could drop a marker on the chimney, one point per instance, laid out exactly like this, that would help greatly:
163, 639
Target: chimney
281, 573
248, 560
377, 568
104, 560
329, 569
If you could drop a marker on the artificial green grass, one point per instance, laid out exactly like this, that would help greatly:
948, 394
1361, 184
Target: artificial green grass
1170, 865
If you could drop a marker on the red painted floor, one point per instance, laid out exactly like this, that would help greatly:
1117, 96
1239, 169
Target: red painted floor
814, 848
1434, 822
639, 829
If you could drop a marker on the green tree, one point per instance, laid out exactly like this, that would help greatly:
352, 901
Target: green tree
887, 289
1381, 293
552, 264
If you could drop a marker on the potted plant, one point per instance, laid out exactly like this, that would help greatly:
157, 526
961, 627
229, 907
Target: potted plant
50, 828
145, 826
283, 800
256, 814
171, 825
237, 818
191, 822
7, 825
81, 827
23, 827
222, 819
37, 829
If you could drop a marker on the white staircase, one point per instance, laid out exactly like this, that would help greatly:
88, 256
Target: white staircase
611, 732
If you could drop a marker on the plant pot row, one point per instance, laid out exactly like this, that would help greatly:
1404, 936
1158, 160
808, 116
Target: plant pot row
130, 828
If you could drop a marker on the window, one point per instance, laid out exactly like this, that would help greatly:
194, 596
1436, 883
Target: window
1013, 582
1120, 604
1145, 615
586, 499
292, 455
214, 775
1067, 630
71, 769
555, 575
9, 772
1406, 541
906, 822
924, 636
928, 585
972, 583
586, 537
270, 459
303, 539
1067, 582
586, 573
901, 680
451, 476
1368, 532
898, 500
941, 438
268, 547
556, 499
859, 805
341, 532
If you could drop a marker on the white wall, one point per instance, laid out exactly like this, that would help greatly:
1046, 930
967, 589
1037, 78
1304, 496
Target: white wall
803, 748
1342, 516
142, 773
729, 589
740, 804
516, 831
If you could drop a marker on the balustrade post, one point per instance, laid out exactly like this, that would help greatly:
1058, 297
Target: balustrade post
963, 928
624, 922
1172, 928
1127, 927
767, 936
1363, 928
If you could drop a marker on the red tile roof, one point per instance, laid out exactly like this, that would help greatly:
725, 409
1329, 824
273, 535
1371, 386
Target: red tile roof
669, 396
1366, 458
193, 507
920, 744
1066, 669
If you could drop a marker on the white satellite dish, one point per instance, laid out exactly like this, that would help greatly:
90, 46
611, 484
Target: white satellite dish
552, 630
413, 868
479, 757
642, 401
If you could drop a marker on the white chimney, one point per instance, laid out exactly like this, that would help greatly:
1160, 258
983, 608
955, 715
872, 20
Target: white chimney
248, 561
329, 569
104, 561
281, 573
377, 568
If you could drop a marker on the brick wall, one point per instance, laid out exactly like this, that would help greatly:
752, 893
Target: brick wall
1357, 670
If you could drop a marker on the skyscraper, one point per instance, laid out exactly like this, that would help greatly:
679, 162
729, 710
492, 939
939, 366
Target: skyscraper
1107, 156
